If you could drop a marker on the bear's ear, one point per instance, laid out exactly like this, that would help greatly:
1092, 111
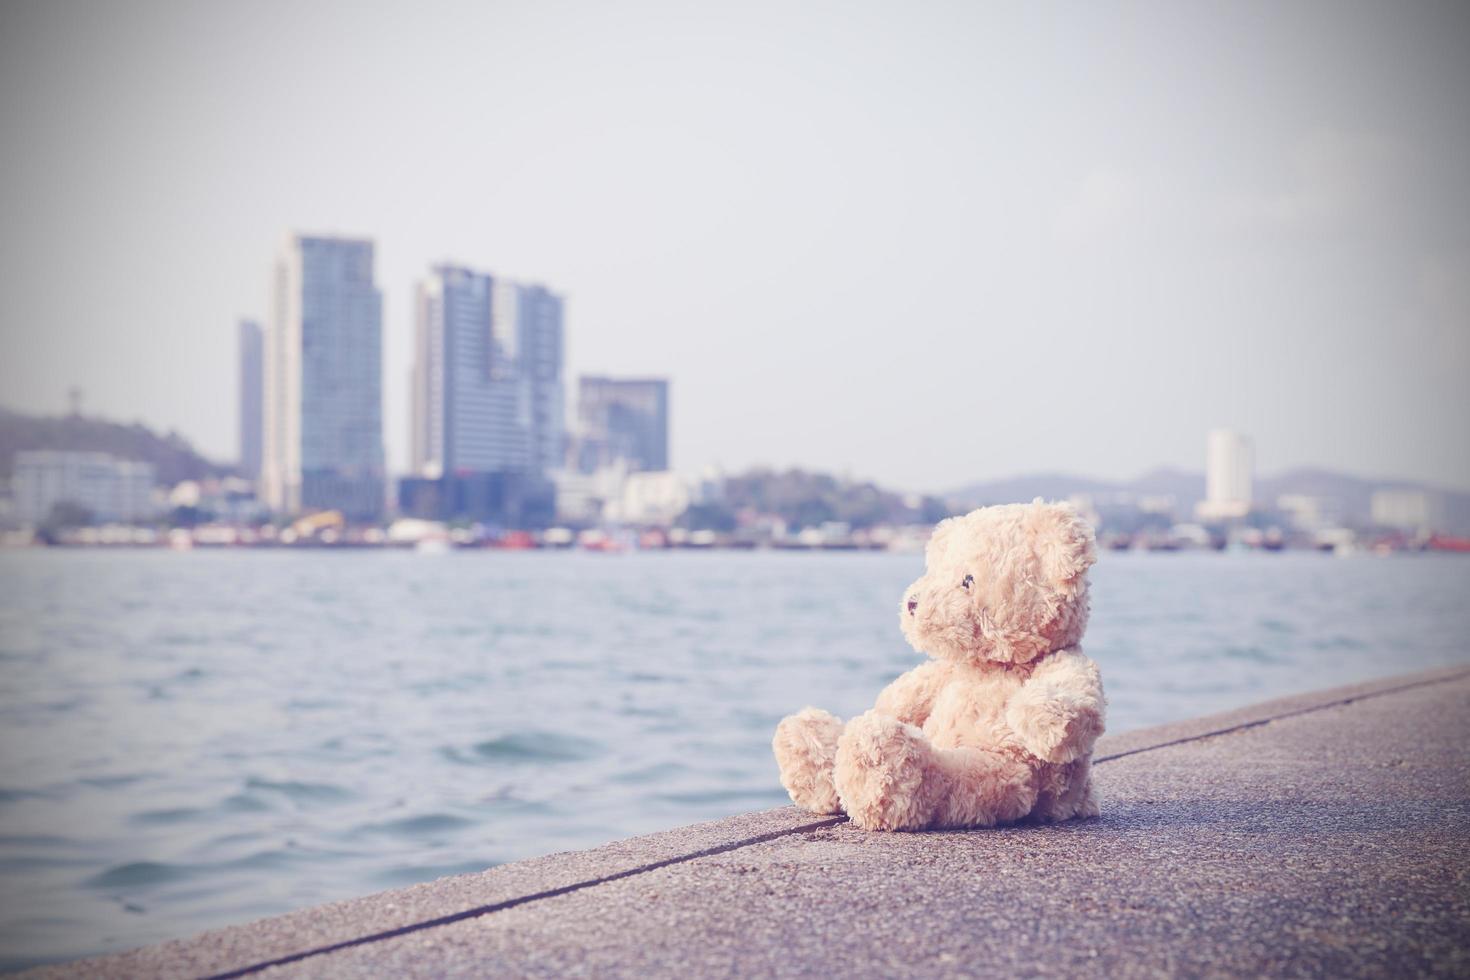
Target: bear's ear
1064, 543
938, 540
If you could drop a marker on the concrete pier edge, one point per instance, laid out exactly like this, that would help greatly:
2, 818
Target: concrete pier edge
1112, 747
305, 937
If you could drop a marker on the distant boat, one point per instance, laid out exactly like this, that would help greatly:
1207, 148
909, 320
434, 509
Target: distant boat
516, 541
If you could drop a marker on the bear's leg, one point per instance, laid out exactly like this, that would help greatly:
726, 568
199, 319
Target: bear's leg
890, 777
805, 746
1067, 792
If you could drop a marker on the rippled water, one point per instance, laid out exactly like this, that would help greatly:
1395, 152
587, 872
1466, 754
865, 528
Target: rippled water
190, 740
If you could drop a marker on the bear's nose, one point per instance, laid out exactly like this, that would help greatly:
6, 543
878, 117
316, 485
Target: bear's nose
913, 605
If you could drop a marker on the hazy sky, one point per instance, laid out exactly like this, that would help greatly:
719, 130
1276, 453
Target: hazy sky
925, 243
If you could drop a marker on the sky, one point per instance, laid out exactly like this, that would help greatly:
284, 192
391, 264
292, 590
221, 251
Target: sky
928, 244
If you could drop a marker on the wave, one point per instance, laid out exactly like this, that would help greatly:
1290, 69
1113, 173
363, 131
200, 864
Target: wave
300, 792
139, 873
168, 817
656, 773
144, 874
419, 826
529, 746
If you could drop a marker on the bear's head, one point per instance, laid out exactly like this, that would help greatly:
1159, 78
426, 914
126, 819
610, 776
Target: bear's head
1002, 584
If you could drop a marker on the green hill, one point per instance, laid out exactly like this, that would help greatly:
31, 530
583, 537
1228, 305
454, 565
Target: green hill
171, 455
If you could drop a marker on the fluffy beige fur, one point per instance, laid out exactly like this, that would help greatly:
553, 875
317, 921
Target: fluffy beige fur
999, 726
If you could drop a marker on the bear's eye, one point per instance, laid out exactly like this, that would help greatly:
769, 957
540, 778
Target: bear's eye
969, 581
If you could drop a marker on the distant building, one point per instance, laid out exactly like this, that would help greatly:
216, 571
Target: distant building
323, 445
487, 396
581, 498
1162, 504
1308, 512
230, 499
1407, 510
1229, 475
108, 489
466, 393
650, 498
538, 315
623, 420
513, 500
252, 394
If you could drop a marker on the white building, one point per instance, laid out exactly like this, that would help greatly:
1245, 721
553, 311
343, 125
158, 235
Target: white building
586, 498
1406, 510
323, 381
111, 490
1229, 475
654, 499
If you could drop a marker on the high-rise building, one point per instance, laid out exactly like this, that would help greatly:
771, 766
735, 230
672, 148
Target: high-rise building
539, 354
323, 380
1229, 474
487, 398
623, 420
252, 362
466, 417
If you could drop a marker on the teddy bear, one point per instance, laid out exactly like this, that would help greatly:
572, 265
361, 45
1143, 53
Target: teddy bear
999, 725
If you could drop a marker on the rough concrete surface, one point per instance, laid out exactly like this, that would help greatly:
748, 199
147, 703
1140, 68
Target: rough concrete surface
1321, 835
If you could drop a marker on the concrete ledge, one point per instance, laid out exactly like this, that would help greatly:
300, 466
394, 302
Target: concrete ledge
1111, 747
1321, 833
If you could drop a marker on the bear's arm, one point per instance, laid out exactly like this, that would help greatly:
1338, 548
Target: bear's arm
911, 697
1059, 712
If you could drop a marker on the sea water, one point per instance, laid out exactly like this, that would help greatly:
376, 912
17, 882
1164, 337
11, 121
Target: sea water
189, 740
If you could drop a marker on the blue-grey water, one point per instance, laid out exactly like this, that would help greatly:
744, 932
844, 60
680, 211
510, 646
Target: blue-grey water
190, 740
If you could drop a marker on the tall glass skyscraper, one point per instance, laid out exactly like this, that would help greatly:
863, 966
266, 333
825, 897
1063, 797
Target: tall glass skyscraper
487, 396
539, 323
324, 391
465, 390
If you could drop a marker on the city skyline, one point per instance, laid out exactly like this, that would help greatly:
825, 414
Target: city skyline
922, 249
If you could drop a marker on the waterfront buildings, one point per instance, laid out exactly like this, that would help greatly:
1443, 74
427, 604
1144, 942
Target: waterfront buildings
622, 420
1229, 475
106, 489
487, 421
650, 498
1309, 512
582, 499
323, 439
252, 364
1415, 511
